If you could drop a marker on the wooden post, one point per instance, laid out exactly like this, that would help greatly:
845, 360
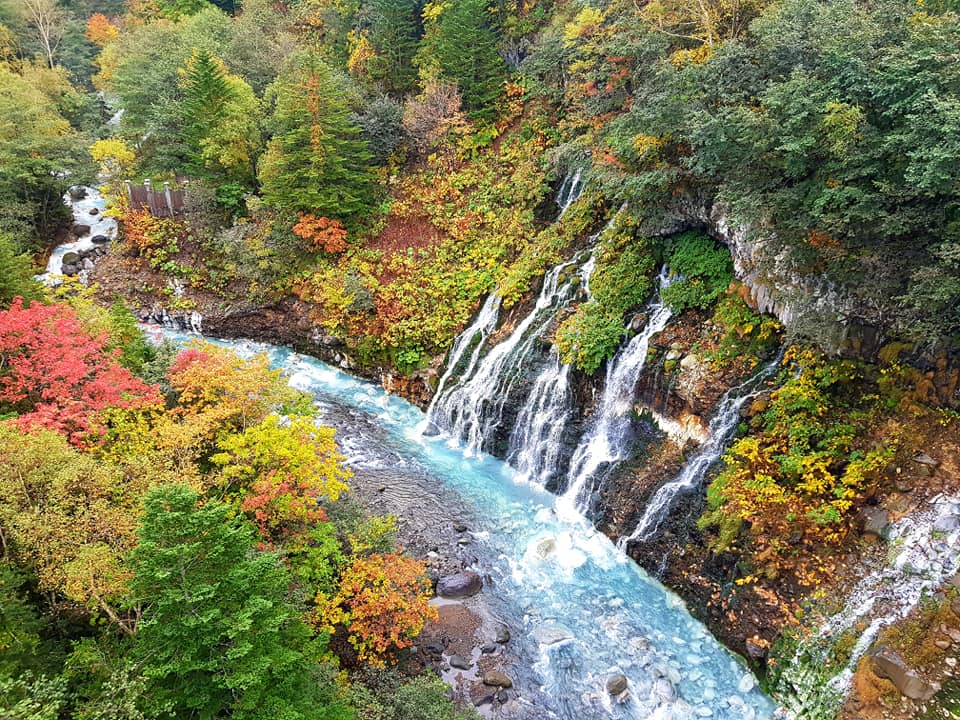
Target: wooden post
166, 192
129, 192
146, 185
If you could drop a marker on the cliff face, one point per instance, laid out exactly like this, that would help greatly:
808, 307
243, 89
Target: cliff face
807, 305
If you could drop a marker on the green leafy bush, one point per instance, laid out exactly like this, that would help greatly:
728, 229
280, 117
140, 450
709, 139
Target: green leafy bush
620, 282
706, 269
589, 336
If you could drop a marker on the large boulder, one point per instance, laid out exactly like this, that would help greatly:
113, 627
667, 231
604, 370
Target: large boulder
495, 678
79, 229
71, 258
875, 522
616, 683
99, 239
461, 585
888, 664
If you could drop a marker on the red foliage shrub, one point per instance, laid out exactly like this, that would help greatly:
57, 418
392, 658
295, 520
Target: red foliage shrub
56, 374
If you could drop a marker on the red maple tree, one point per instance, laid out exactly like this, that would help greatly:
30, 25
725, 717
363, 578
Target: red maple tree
56, 374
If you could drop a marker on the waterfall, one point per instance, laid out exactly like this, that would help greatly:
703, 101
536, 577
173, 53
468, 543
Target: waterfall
535, 445
472, 410
923, 552
721, 428
606, 441
484, 324
570, 190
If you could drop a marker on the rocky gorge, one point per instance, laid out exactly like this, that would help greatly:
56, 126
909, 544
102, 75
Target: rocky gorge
675, 393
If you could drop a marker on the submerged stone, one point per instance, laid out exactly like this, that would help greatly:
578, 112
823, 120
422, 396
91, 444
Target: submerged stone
461, 585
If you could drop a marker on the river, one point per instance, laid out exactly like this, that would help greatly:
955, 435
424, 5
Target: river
579, 609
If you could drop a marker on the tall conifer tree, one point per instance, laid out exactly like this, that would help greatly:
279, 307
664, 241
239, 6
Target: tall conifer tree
316, 162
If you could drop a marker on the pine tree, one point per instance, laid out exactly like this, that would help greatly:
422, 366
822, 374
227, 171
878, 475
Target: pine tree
206, 93
395, 33
461, 45
316, 162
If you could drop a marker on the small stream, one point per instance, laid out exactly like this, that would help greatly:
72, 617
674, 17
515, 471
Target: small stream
100, 227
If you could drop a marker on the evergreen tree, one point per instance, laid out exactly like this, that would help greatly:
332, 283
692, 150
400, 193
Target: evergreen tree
218, 637
316, 162
395, 33
461, 45
206, 94
16, 273
221, 117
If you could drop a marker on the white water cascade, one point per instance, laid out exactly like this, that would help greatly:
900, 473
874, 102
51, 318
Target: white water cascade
721, 429
99, 223
472, 410
535, 446
483, 324
570, 190
923, 553
606, 441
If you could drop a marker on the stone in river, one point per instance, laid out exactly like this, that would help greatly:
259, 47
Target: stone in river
460, 585
503, 634
100, 239
616, 683
495, 678
94, 211
433, 647
458, 661
79, 229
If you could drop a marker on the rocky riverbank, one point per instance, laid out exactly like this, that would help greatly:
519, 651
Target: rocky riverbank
471, 646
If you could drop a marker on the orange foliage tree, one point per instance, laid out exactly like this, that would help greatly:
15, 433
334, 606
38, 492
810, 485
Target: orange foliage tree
382, 601
322, 233
100, 30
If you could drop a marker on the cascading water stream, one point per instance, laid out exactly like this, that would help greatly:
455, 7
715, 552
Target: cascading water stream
535, 446
570, 190
99, 224
607, 439
924, 553
472, 410
483, 324
722, 425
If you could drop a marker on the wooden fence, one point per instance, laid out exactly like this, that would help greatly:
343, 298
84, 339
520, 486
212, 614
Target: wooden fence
166, 203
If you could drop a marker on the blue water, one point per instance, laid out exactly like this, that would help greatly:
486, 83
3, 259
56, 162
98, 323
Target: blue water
581, 608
